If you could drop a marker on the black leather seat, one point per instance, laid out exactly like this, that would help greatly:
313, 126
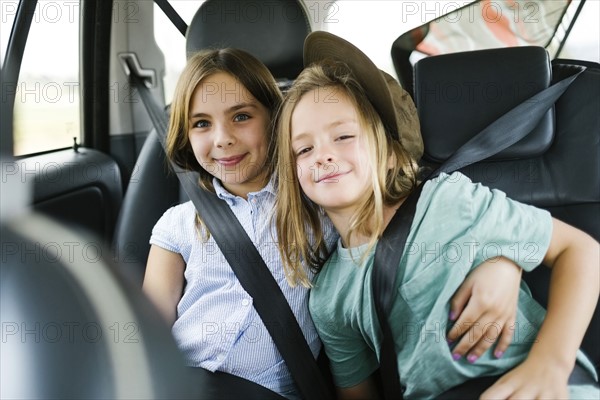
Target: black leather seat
274, 32
71, 329
555, 167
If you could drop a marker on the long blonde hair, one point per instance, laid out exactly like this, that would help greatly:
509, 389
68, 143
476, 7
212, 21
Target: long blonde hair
298, 219
244, 67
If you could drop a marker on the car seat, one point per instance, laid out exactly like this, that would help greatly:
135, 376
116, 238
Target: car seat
71, 329
554, 168
274, 32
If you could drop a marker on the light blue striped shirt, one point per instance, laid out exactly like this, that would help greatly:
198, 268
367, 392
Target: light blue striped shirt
217, 327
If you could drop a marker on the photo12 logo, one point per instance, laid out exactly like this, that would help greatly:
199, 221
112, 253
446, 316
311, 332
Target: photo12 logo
29, 332
454, 12
54, 12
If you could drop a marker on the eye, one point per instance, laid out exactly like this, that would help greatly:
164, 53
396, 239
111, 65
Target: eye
201, 124
345, 137
302, 151
241, 117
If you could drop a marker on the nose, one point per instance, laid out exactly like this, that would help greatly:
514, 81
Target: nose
324, 160
223, 138
324, 163
324, 156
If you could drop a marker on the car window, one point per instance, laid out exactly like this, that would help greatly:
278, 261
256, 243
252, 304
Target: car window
487, 24
172, 42
46, 113
583, 41
380, 21
341, 17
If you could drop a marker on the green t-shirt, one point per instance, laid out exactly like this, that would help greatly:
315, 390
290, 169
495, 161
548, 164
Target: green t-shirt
457, 226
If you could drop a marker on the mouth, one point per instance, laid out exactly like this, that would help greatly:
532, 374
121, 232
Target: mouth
331, 178
230, 161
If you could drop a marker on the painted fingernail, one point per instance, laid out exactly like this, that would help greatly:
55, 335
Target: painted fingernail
472, 358
456, 356
498, 354
452, 316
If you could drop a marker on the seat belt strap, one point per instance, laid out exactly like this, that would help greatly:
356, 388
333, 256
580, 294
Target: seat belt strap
499, 135
509, 128
170, 12
248, 266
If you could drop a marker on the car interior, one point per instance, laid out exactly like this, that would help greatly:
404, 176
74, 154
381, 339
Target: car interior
76, 222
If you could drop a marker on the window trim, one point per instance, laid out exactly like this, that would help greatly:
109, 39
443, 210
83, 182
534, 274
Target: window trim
11, 68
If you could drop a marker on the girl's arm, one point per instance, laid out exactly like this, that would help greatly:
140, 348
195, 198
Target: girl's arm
163, 281
574, 289
485, 307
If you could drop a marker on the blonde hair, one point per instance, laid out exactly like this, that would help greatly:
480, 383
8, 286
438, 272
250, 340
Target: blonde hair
244, 67
295, 214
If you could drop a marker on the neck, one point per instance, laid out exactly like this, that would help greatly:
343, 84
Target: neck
341, 222
244, 189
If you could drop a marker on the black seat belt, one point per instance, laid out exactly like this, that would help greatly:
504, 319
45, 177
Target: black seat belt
499, 135
248, 266
175, 18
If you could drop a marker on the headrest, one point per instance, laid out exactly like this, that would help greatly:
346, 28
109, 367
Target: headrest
272, 31
458, 95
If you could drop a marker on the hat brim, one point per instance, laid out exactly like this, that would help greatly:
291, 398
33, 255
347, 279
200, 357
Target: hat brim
321, 45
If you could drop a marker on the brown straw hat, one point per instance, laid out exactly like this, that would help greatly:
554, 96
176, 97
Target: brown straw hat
394, 105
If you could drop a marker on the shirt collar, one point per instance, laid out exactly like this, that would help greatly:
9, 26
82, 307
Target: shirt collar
231, 199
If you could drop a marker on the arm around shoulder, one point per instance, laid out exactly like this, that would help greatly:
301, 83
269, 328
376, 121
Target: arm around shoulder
163, 281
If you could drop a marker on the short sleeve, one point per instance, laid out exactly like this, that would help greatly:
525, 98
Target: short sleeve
169, 232
505, 227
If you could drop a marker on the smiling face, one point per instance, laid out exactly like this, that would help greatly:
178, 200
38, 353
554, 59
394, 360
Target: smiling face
330, 150
228, 133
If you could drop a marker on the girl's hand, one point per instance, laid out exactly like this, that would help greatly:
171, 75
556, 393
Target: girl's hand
532, 379
484, 309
